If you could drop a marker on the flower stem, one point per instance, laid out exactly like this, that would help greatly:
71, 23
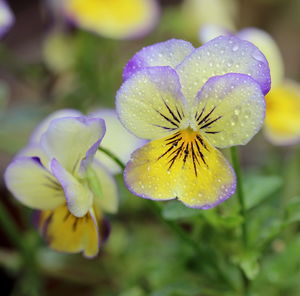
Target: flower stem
240, 193
113, 157
241, 198
10, 227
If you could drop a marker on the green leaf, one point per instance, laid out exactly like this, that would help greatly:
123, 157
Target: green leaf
258, 187
249, 264
292, 211
174, 210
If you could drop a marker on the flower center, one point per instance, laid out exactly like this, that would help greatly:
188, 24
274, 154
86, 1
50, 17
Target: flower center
184, 147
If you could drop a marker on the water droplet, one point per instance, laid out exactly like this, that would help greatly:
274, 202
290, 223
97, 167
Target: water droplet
235, 47
258, 56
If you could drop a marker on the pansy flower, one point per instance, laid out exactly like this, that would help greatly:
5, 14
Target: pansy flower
6, 18
189, 102
57, 174
282, 125
119, 19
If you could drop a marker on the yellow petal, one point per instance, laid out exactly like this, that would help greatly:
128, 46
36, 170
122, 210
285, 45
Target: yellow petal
67, 233
114, 19
184, 166
283, 114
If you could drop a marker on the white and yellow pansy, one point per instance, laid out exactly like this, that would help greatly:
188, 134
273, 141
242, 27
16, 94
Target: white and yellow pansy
282, 125
58, 174
119, 19
187, 102
6, 17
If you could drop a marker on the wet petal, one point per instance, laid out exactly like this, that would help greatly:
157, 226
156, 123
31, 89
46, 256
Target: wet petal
229, 110
43, 126
108, 201
115, 134
6, 18
114, 19
225, 54
282, 125
79, 197
183, 166
67, 233
73, 141
269, 48
167, 53
32, 184
150, 103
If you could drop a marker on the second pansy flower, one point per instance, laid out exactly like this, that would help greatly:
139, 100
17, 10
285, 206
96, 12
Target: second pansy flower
188, 102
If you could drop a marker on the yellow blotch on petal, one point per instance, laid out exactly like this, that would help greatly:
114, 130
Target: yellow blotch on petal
112, 18
283, 114
184, 166
67, 233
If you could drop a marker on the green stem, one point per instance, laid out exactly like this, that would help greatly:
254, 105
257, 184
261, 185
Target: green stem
241, 198
240, 193
10, 227
113, 157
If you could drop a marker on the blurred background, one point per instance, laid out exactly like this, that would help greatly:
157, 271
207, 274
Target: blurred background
49, 62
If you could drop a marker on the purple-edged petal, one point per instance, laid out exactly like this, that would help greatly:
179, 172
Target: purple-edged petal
32, 184
229, 110
43, 126
225, 54
150, 103
269, 48
6, 18
115, 134
78, 195
73, 141
35, 150
167, 53
183, 166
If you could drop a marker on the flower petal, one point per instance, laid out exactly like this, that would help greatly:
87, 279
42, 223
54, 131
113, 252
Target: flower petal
225, 54
211, 31
115, 134
43, 126
229, 110
67, 233
35, 150
118, 19
269, 48
150, 104
79, 197
167, 53
32, 184
108, 201
6, 18
73, 141
183, 166
282, 125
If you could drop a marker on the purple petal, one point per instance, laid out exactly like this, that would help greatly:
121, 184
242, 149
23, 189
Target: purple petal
167, 53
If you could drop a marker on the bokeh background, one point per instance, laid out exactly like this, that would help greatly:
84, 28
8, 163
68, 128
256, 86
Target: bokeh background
46, 65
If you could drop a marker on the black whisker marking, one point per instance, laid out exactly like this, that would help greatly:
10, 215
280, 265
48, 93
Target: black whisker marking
178, 113
211, 122
171, 112
201, 142
203, 109
166, 118
164, 127
211, 132
206, 117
